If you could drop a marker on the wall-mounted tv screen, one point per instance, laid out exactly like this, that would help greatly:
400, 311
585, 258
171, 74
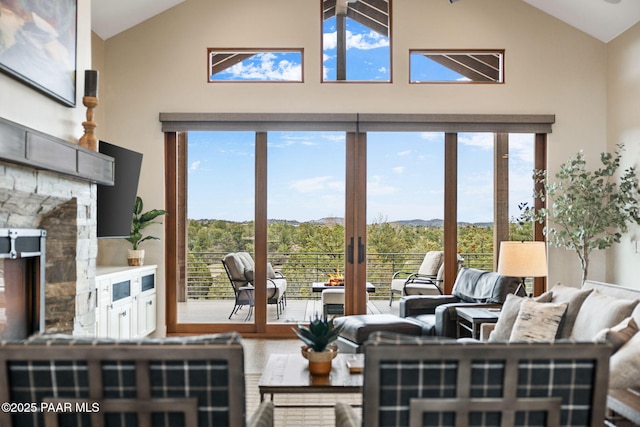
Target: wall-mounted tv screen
116, 202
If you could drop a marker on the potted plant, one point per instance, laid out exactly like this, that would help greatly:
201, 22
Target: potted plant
319, 349
588, 209
140, 221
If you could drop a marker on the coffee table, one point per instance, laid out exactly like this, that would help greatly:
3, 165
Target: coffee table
289, 374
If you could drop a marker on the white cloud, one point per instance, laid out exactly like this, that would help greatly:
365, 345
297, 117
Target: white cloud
364, 41
398, 169
432, 136
265, 67
404, 153
521, 146
195, 165
375, 187
481, 140
312, 184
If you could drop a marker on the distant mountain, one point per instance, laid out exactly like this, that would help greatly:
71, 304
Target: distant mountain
419, 223
403, 223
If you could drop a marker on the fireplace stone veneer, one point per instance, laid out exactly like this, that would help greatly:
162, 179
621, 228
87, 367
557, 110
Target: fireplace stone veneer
50, 184
65, 208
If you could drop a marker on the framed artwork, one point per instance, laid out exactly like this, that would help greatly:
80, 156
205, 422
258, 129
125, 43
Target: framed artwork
38, 45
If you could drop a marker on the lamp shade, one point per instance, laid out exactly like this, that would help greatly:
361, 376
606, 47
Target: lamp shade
523, 259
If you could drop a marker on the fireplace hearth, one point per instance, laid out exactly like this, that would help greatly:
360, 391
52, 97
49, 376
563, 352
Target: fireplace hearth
22, 282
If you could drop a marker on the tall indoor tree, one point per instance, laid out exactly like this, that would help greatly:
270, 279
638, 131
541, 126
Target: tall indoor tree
589, 209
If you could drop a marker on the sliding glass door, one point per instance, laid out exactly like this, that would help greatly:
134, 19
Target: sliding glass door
405, 203
308, 206
305, 216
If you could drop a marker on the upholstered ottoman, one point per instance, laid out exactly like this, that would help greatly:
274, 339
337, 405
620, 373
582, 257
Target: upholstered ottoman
333, 301
356, 329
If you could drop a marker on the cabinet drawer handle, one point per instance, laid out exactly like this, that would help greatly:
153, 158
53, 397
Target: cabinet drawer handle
123, 314
150, 302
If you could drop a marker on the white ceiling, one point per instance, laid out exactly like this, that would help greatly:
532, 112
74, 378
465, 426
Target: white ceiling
110, 17
602, 19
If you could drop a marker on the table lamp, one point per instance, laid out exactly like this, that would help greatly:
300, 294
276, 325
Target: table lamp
522, 259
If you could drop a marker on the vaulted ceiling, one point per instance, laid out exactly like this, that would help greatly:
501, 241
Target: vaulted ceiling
602, 19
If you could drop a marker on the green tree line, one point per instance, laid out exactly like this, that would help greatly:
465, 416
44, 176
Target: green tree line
290, 246
382, 237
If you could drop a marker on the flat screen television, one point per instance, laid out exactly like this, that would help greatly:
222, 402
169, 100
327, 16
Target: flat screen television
116, 202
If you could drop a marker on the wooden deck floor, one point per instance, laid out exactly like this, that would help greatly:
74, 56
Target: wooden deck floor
294, 312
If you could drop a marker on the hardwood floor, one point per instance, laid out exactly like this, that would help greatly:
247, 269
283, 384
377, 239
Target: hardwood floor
256, 354
257, 351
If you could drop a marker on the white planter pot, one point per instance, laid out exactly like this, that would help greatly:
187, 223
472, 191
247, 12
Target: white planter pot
135, 258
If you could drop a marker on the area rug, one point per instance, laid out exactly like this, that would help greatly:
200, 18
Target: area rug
299, 417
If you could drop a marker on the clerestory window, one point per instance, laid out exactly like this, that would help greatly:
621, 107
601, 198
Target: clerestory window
456, 66
255, 65
356, 40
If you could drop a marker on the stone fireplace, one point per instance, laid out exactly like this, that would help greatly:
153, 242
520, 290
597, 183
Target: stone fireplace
40, 190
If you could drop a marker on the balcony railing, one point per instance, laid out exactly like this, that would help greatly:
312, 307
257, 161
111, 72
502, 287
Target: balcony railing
207, 280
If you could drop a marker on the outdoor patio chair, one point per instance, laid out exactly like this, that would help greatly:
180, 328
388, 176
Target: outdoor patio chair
239, 267
427, 281
416, 381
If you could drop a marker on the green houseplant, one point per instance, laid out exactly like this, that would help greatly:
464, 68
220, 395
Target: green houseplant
319, 349
588, 209
139, 222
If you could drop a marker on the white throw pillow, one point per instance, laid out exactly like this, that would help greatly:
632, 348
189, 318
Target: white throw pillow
537, 322
509, 314
574, 297
624, 365
600, 311
619, 334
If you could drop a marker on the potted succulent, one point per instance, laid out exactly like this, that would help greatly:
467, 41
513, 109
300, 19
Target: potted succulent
140, 221
319, 349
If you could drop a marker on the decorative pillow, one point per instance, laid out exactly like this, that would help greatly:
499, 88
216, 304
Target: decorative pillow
271, 273
508, 315
619, 334
537, 322
624, 365
431, 263
600, 311
574, 297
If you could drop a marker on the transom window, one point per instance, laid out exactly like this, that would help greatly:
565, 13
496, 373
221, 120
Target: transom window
356, 40
456, 66
255, 65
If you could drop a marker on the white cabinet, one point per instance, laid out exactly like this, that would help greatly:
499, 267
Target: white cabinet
126, 301
146, 314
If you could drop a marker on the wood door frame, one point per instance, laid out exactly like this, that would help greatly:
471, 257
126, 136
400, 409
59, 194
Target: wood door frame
355, 298
356, 150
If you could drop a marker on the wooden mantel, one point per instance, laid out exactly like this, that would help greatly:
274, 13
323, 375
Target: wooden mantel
29, 147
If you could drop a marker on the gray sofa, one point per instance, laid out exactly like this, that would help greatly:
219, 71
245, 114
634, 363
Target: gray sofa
473, 287
595, 312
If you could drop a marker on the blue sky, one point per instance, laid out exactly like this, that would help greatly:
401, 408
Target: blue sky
307, 169
307, 175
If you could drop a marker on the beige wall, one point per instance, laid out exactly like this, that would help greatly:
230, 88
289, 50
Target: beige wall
623, 101
160, 66
22, 104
